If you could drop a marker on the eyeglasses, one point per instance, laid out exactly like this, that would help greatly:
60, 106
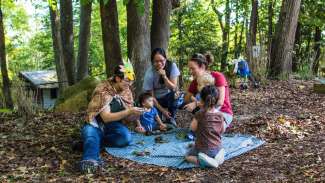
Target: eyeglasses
159, 61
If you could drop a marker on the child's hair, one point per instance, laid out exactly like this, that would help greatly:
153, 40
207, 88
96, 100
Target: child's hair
209, 96
204, 80
118, 73
143, 97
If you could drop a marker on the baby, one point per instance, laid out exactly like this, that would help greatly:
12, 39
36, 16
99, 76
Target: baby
149, 120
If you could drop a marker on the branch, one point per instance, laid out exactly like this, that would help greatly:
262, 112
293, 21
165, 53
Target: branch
219, 15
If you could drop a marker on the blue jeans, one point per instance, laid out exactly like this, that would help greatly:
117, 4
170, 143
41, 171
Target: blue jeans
169, 102
115, 134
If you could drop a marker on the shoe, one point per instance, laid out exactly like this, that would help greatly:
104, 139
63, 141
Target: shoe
220, 157
190, 136
90, 166
206, 161
172, 121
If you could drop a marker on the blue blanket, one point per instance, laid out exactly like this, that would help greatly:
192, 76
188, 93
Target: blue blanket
171, 152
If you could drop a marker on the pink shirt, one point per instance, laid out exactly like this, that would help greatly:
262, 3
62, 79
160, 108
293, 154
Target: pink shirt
220, 80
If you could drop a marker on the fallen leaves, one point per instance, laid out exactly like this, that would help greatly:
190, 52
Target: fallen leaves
286, 114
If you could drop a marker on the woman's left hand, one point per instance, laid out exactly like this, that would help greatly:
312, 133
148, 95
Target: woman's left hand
190, 107
162, 72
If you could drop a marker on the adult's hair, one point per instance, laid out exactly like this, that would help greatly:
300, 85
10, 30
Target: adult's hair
210, 95
143, 97
199, 59
168, 65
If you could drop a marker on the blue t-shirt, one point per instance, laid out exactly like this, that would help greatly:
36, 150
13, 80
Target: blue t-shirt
148, 119
243, 68
151, 81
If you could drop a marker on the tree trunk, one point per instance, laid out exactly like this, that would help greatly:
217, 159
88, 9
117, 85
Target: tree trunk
138, 37
317, 50
225, 28
270, 27
160, 29
295, 57
251, 36
57, 45
84, 39
67, 39
281, 55
3, 62
180, 49
111, 36
236, 30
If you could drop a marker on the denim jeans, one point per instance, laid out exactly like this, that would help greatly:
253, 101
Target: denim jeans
169, 102
115, 134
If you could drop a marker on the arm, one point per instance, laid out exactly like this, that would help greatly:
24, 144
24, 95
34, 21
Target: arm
138, 123
158, 120
170, 83
194, 124
221, 95
107, 116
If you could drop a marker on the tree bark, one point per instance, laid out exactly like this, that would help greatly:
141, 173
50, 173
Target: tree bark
57, 45
138, 37
225, 28
251, 36
160, 28
317, 50
84, 40
4, 71
111, 36
295, 57
281, 52
67, 39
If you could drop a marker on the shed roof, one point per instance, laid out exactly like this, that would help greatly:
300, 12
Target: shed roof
41, 79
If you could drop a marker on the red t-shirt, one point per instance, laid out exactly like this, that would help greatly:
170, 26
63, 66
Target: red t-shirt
220, 80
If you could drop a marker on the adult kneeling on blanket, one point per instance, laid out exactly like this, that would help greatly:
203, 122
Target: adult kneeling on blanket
110, 107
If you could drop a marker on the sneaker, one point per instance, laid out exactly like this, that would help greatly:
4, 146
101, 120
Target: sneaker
90, 166
206, 161
220, 157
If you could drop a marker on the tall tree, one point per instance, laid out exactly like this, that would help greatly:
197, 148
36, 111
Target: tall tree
282, 46
57, 45
111, 37
84, 39
297, 45
317, 50
3, 62
251, 36
160, 29
225, 28
270, 26
138, 37
66, 17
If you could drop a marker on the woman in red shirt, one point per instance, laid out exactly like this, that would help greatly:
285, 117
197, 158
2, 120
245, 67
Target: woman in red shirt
198, 65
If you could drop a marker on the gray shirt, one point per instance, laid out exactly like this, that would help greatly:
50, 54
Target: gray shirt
151, 81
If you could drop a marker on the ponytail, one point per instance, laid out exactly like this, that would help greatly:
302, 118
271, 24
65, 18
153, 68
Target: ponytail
209, 96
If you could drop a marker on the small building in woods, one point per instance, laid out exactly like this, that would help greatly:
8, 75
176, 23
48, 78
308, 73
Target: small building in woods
42, 86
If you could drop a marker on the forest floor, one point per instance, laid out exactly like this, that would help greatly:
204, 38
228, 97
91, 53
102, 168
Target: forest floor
286, 114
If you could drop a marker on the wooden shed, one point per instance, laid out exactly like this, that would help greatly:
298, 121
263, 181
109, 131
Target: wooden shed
42, 86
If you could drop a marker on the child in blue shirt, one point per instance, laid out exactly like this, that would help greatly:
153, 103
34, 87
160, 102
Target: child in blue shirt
149, 120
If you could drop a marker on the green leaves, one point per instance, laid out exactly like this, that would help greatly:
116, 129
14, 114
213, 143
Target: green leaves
53, 4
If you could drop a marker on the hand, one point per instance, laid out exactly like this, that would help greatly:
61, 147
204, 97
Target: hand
190, 107
140, 129
162, 127
136, 110
166, 113
162, 72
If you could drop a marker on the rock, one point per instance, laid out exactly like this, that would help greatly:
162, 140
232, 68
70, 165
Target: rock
75, 98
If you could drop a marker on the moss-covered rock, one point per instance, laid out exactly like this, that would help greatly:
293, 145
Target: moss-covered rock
76, 98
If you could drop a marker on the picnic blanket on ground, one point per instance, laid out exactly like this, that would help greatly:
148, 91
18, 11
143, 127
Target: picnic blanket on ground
170, 153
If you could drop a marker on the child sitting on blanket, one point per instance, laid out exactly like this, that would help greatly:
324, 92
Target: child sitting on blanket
208, 125
149, 120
